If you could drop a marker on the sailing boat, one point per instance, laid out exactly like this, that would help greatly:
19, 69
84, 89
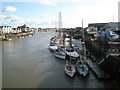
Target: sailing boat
69, 67
60, 52
53, 46
81, 65
71, 52
82, 68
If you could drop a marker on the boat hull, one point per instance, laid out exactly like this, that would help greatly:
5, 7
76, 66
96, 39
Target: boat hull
82, 72
70, 73
53, 48
60, 56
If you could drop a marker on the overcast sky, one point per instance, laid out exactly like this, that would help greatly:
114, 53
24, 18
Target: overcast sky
44, 13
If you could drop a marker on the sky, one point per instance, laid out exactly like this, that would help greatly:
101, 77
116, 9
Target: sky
44, 13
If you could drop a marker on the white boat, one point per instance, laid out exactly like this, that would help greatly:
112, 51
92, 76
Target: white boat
60, 53
82, 68
6, 39
113, 36
19, 37
69, 69
22, 37
53, 47
70, 52
69, 66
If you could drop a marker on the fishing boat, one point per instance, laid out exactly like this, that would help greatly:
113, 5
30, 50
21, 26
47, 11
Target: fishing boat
54, 42
53, 47
82, 68
69, 69
81, 65
70, 52
60, 52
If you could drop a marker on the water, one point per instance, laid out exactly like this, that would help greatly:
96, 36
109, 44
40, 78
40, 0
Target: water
0, 64
28, 63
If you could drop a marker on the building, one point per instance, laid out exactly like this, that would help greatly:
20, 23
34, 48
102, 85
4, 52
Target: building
16, 30
112, 26
97, 25
5, 29
40, 29
24, 28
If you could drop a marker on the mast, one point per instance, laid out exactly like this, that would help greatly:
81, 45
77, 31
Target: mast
60, 28
84, 56
60, 22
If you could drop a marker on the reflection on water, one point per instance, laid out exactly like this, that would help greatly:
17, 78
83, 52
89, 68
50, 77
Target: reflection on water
28, 63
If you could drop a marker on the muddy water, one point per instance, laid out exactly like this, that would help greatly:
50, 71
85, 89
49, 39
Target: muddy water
28, 63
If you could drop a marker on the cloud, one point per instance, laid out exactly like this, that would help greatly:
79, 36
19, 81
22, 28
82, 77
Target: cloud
9, 9
99, 13
3, 16
48, 2
91, 13
54, 2
14, 21
44, 2
12, 17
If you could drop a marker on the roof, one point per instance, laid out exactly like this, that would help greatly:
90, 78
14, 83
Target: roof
113, 25
98, 25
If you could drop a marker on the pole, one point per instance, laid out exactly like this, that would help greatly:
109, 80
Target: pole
90, 47
60, 22
84, 56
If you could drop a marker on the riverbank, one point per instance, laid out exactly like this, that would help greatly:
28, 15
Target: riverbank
16, 35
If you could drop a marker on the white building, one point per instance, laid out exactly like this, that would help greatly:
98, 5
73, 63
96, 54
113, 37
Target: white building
5, 29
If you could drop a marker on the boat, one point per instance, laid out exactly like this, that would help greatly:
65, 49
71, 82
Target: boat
52, 46
70, 69
81, 65
82, 68
60, 53
70, 52
6, 39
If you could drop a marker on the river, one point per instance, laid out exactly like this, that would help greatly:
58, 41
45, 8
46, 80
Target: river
28, 63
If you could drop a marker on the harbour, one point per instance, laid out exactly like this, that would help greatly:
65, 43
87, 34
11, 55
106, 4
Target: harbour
28, 63
59, 44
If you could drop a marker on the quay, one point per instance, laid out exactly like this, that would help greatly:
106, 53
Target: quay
14, 36
99, 73
93, 65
